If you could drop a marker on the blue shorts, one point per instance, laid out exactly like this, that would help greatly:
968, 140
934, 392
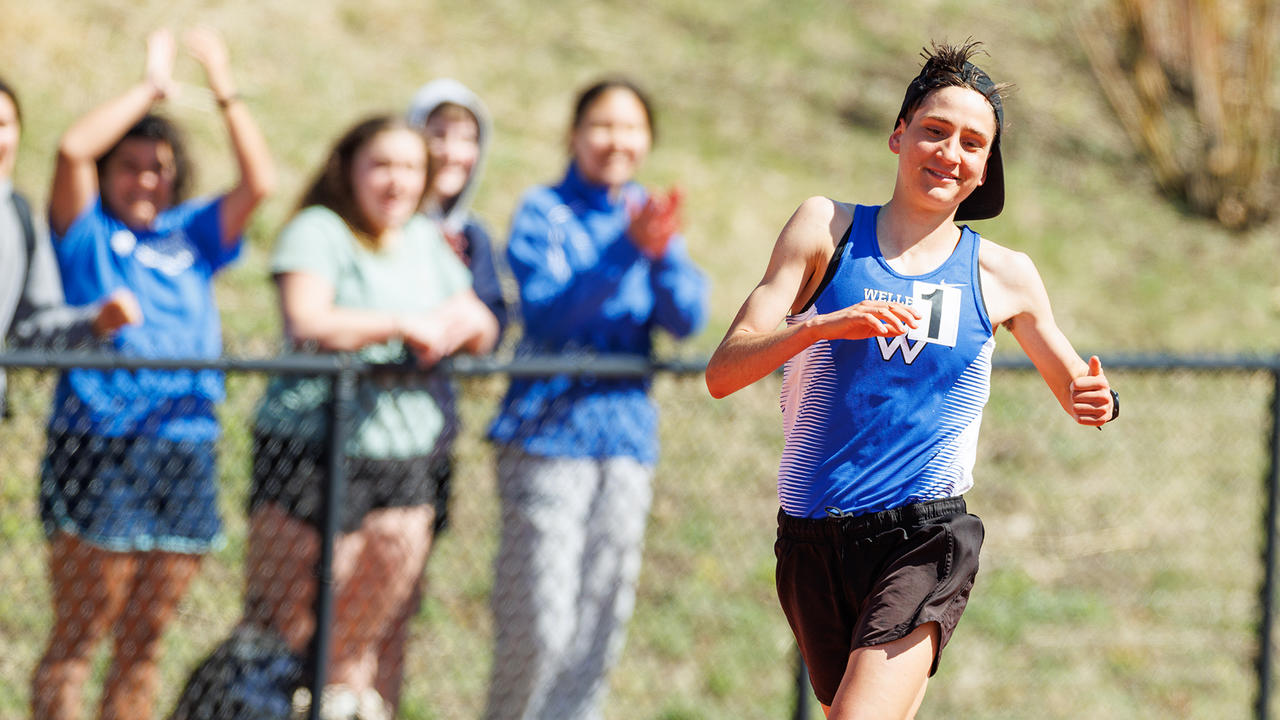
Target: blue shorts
128, 494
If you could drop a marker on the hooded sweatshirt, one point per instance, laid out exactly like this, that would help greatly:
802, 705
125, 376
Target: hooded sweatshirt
456, 219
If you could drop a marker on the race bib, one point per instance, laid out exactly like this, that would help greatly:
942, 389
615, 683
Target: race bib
939, 308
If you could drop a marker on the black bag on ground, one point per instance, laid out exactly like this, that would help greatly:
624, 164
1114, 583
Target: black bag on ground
252, 675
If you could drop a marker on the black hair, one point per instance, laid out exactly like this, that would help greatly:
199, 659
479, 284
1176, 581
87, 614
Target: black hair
160, 129
947, 65
332, 187
593, 92
950, 66
7, 89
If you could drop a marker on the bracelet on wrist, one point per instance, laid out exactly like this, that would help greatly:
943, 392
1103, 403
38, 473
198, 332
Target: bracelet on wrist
1115, 407
226, 101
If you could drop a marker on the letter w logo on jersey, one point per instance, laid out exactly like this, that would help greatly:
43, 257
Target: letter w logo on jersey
889, 346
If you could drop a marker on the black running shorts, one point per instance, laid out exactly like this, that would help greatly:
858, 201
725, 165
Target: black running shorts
846, 583
293, 474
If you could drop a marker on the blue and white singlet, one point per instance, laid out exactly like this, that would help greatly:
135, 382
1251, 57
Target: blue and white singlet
880, 423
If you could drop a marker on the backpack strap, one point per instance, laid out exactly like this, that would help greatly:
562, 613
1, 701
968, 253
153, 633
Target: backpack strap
23, 208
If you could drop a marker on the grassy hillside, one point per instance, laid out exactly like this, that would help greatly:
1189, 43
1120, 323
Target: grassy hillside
1091, 605
760, 105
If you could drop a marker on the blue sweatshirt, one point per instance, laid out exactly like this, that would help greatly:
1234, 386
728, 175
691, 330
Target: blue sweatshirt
585, 288
170, 268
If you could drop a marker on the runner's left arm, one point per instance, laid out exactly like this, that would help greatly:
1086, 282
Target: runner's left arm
1081, 388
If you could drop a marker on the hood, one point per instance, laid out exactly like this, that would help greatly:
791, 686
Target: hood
428, 98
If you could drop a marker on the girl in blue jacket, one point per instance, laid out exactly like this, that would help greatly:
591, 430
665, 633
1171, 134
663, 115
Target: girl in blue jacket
600, 267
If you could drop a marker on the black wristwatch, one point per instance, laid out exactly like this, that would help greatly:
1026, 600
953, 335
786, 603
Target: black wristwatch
1115, 405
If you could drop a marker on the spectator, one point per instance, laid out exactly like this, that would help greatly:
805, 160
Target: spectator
458, 129
32, 311
127, 490
458, 133
359, 270
600, 267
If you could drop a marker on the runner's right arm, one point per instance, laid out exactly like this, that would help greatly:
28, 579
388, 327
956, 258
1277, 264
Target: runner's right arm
755, 344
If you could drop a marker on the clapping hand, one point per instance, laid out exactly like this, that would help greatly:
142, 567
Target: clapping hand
656, 222
208, 48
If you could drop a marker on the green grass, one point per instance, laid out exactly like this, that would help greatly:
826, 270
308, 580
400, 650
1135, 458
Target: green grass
1120, 569
1119, 576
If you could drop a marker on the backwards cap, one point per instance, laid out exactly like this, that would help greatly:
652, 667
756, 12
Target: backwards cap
941, 70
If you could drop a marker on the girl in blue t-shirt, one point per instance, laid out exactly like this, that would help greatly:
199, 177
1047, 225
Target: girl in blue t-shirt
127, 490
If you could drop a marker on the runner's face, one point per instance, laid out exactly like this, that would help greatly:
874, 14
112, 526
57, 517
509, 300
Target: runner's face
612, 139
388, 176
137, 181
942, 152
9, 131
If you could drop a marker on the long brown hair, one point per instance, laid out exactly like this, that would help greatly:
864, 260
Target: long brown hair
332, 186
7, 90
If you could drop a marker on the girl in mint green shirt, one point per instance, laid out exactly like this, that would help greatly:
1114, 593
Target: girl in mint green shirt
358, 270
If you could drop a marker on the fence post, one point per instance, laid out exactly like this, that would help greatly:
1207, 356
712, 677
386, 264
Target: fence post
802, 689
341, 398
1269, 559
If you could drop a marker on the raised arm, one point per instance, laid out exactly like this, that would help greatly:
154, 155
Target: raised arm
257, 173
1016, 298
755, 345
75, 175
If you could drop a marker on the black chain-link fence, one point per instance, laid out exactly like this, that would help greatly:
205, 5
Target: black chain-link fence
1121, 575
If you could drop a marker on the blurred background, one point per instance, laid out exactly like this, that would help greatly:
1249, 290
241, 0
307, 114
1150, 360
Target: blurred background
1121, 569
